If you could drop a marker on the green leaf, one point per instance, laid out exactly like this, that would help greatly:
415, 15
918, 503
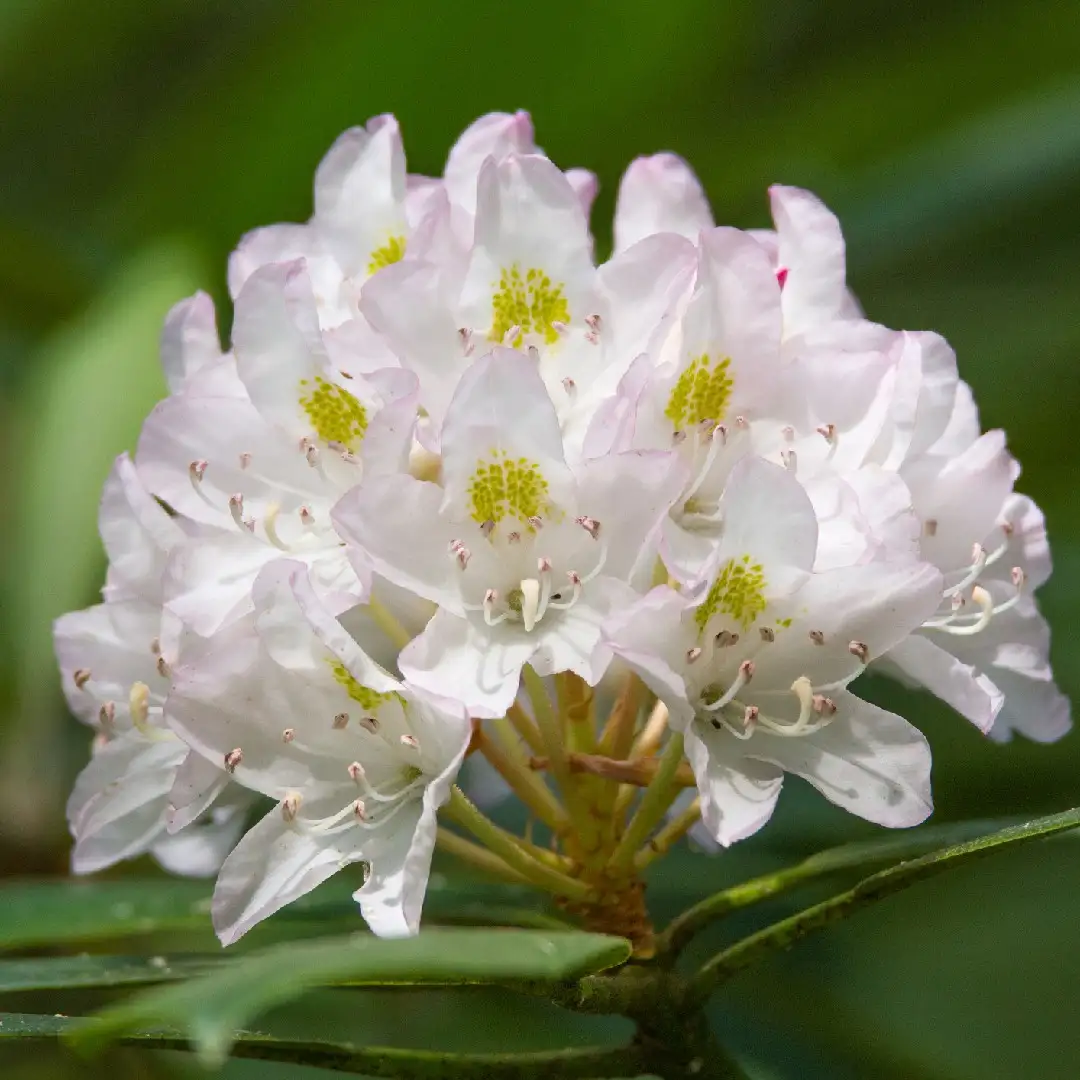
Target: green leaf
55, 912
211, 1007
787, 931
890, 849
346, 1057
71, 972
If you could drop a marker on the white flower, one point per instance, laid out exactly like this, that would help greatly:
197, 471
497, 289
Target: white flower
358, 762
116, 659
264, 451
524, 555
755, 670
985, 651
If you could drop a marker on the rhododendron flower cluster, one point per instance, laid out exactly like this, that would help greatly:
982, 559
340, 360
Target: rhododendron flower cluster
630, 531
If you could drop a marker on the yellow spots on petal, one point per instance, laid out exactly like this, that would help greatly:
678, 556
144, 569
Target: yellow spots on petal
738, 591
531, 302
702, 392
369, 700
335, 414
391, 252
507, 487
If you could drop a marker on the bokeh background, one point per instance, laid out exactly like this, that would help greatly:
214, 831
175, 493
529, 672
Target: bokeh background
139, 140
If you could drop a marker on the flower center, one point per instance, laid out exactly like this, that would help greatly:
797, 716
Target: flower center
738, 591
506, 486
702, 392
527, 305
391, 252
335, 414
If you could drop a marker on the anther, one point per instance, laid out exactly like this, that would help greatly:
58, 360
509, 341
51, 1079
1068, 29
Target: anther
461, 553
1018, 576
570, 387
859, 650
788, 432
359, 810
749, 717
410, 741
678, 437
726, 638
82, 676
245, 460
781, 276
155, 646
341, 720
817, 637
487, 528
163, 667
290, 806
790, 460
543, 565
312, 455
692, 654
593, 323
511, 335
356, 772
233, 759
306, 516
706, 428
288, 735
514, 537
534, 354
746, 670
827, 432
465, 336
590, 525
742, 422
560, 328
720, 432
197, 469
823, 705
107, 714
768, 634
369, 723
536, 522
1008, 528
930, 527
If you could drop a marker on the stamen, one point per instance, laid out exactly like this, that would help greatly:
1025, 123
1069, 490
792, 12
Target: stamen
817, 637
536, 522
288, 735
236, 509
860, 651
307, 518
726, 638
356, 773
978, 564
490, 617
823, 706
930, 527
534, 354
827, 432
341, 721
460, 552
410, 741
559, 328
465, 338
163, 668
790, 460
511, 336
576, 582
233, 759
782, 276
369, 723
245, 460
693, 654
107, 714
746, 673
570, 387
487, 528
81, 676
197, 469
514, 537
788, 432
768, 634
155, 646
313, 456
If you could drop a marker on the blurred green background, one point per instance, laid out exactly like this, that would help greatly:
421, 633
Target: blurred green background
139, 140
